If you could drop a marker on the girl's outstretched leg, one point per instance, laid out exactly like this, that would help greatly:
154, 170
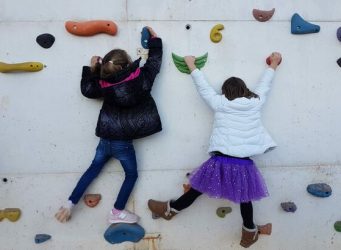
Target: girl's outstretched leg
169, 209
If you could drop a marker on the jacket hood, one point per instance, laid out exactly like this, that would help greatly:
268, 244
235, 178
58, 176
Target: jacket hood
124, 73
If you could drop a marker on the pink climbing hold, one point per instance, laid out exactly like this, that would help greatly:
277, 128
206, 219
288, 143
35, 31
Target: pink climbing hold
263, 15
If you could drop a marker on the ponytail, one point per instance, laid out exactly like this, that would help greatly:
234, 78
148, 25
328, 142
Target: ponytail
113, 62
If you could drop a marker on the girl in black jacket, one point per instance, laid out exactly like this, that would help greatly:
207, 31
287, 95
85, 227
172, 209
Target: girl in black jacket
128, 112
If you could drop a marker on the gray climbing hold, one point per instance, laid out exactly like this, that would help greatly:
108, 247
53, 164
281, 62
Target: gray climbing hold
222, 211
338, 34
289, 206
337, 226
320, 190
40, 238
45, 40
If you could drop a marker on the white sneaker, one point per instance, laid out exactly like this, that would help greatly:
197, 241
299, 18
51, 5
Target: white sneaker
122, 216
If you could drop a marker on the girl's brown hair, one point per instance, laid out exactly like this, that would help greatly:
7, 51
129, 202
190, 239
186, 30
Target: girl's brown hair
113, 62
235, 87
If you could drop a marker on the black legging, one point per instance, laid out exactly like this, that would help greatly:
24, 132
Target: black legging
190, 196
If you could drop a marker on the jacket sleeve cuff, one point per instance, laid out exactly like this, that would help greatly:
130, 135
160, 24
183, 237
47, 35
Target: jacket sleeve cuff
196, 73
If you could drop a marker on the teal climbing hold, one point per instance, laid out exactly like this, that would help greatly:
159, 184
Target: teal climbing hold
300, 26
121, 232
337, 226
320, 190
40, 238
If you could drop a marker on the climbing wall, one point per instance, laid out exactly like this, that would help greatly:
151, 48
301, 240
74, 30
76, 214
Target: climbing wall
47, 127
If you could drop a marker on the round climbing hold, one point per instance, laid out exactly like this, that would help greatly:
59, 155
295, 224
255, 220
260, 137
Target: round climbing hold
268, 61
339, 61
263, 15
45, 40
121, 232
188, 26
91, 200
222, 211
300, 26
289, 206
320, 190
215, 34
40, 238
337, 226
338, 34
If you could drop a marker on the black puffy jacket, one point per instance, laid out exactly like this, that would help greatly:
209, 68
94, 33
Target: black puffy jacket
128, 111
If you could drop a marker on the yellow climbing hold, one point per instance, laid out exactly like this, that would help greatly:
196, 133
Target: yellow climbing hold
25, 66
12, 214
215, 34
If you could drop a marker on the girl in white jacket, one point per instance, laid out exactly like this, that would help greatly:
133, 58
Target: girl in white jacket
237, 134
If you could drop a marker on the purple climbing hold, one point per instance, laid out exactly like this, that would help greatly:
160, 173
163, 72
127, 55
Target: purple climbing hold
45, 40
40, 238
338, 34
339, 61
289, 206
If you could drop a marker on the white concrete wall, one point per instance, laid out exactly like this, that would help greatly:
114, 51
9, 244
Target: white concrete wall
47, 127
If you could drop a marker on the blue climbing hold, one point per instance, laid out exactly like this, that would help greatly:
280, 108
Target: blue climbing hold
40, 238
120, 232
145, 36
319, 189
338, 34
300, 26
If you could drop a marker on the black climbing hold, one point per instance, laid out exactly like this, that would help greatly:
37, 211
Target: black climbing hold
300, 26
339, 61
45, 40
289, 206
337, 226
338, 34
188, 26
120, 232
40, 238
319, 189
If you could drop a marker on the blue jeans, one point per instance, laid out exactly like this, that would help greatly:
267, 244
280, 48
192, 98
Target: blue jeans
123, 151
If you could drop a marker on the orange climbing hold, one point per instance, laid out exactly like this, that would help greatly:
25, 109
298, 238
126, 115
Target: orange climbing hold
90, 28
92, 200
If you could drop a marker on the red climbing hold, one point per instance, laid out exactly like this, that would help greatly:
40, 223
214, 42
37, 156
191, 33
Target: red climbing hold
263, 15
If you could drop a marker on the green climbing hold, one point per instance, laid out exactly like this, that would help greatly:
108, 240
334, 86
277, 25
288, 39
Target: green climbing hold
222, 211
337, 226
181, 64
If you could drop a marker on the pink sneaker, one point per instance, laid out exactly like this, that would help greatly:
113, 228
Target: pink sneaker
122, 216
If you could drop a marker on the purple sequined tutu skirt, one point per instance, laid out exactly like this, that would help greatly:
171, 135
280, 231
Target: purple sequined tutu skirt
235, 179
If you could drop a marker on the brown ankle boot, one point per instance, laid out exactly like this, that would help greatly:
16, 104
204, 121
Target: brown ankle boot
162, 209
249, 236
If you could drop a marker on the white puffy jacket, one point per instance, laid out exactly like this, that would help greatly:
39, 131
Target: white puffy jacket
237, 128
